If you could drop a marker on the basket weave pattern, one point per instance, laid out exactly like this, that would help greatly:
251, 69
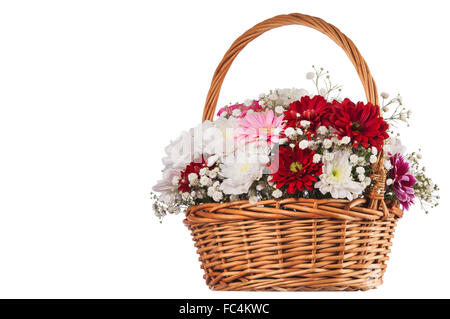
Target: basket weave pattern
295, 244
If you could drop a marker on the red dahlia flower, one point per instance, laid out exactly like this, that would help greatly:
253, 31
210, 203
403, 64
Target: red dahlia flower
295, 169
362, 123
193, 167
315, 110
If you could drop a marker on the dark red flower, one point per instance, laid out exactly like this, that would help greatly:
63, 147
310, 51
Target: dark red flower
295, 169
362, 123
193, 167
315, 110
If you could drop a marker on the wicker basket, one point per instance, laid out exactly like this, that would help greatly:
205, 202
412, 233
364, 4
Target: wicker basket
296, 243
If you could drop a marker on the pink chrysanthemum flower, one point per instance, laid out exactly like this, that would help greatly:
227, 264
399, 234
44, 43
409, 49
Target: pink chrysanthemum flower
260, 127
403, 182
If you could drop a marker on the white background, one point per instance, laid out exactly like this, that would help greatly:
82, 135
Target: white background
92, 91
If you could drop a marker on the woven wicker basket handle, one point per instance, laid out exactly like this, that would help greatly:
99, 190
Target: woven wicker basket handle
294, 18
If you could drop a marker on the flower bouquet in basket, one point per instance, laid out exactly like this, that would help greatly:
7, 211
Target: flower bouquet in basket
294, 190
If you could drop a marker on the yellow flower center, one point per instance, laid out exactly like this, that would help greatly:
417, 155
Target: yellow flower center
265, 130
296, 167
336, 173
244, 167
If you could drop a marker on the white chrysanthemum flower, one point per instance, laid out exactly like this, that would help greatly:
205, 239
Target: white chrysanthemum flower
353, 159
212, 174
290, 132
389, 181
203, 171
367, 181
299, 131
279, 109
360, 170
205, 181
211, 190
253, 200
241, 170
217, 196
345, 140
336, 178
316, 158
374, 150
193, 178
372, 159
361, 177
277, 193
327, 143
305, 123
303, 144
322, 130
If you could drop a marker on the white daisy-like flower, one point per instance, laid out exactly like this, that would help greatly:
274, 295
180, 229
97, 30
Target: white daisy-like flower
353, 159
303, 144
374, 150
389, 181
372, 159
253, 200
322, 130
203, 171
360, 170
327, 143
290, 132
193, 178
345, 140
277, 193
336, 178
361, 177
299, 131
212, 174
217, 196
279, 109
305, 123
205, 181
211, 190
241, 170
316, 158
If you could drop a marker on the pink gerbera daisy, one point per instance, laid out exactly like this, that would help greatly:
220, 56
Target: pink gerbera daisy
260, 127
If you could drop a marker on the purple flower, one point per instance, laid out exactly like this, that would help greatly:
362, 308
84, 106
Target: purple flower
403, 182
